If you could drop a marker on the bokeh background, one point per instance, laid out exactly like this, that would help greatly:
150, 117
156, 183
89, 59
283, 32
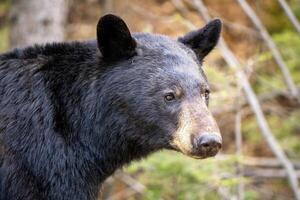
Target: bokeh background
248, 166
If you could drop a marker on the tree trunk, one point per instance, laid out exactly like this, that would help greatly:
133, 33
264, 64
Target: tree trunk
37, 21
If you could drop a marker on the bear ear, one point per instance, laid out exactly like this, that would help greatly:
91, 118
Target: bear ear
114, 39
203, 40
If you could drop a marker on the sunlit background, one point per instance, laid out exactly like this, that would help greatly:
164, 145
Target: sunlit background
261, 41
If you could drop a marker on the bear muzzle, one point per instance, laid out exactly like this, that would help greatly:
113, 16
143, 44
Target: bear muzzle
198, 134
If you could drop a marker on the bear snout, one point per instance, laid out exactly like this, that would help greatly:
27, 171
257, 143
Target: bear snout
206, 145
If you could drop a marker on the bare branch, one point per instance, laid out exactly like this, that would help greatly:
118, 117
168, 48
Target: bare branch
269, 173
224, 193
131, 182
231, 24
234, 63
266, 162
258, 161
290, 14
272, 47
273, 95
179, 5
238, 143
123, 194
134, 186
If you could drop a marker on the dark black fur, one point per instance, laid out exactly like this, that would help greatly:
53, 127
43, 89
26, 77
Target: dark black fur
71, 114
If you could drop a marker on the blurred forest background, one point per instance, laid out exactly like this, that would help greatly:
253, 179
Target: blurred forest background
260, 159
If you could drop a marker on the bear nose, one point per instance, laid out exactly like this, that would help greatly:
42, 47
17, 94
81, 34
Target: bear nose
208, 144
207, 141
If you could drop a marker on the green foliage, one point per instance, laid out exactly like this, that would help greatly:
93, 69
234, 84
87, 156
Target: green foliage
4, 44
4, 5
221, 81
289, 46
268, 76
251, 131
251, 195
295, 6
4, 31
286, 129
170, 175
269, 79
272, 15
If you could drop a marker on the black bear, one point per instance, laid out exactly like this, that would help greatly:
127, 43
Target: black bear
72, 113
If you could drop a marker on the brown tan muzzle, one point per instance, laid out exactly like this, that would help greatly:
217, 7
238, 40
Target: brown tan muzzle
198, 134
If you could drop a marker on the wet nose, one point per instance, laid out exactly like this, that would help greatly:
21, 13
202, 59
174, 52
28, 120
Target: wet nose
209, 140
208, 144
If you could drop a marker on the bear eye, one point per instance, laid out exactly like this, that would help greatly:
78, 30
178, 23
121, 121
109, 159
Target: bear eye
206, 94
170, 97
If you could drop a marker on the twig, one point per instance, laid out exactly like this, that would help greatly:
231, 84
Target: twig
290, 14
258, 161
261, 98
239, 27
134, 186
122, 194
107, 189
144, 12
266, 162
269, 173
238, 143
272, 47
179, 5
230, 24
234, 63
224, 193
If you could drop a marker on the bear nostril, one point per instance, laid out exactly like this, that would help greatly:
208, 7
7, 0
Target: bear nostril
205, 145
209, 141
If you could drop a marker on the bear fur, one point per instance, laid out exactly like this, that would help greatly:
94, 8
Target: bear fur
73, 113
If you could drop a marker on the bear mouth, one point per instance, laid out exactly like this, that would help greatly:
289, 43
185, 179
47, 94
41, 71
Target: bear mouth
199, 155
204, 155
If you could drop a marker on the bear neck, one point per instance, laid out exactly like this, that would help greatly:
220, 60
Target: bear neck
106, 143
110, 145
